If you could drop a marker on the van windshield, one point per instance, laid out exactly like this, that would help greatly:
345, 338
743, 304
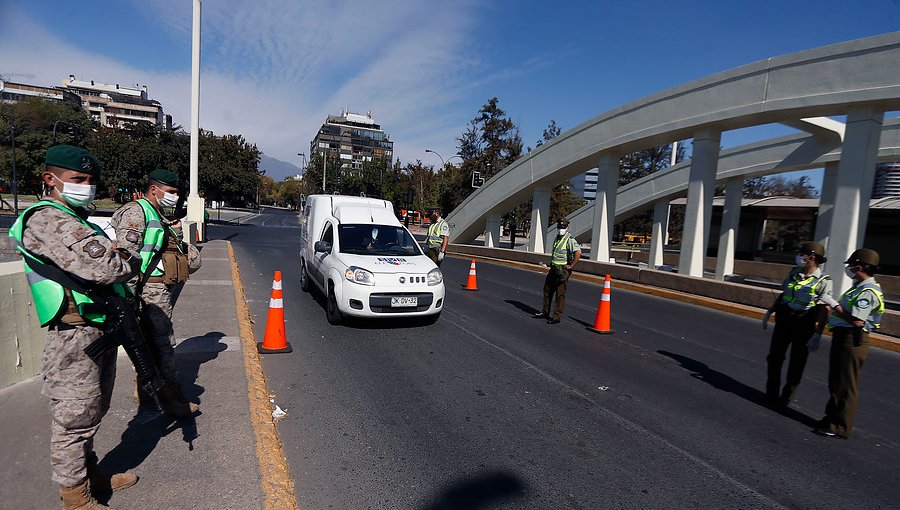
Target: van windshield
370, 239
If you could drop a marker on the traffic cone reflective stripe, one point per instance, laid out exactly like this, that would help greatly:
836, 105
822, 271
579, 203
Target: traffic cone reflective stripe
472, 282
602, 320
275, 339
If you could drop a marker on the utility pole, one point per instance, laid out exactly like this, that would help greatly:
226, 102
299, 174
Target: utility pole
13, 186
324, 160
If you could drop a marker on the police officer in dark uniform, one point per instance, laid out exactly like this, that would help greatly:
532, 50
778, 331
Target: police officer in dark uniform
800, 312
857, 313
566, 253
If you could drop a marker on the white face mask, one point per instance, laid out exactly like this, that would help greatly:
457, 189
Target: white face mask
563, 231
374, 234
168, 200
849, 272
77, 195
799, 260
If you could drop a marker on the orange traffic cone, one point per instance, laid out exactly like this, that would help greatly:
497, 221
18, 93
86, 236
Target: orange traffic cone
275, 340
472, 283
601, 322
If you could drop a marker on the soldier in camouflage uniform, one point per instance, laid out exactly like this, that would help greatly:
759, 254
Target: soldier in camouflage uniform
54, 232
166, 262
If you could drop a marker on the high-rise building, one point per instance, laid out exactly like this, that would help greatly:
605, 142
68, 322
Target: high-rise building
116, 106
887, 180
353, 138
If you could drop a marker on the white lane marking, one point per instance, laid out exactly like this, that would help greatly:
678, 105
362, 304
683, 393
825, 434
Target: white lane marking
625, 422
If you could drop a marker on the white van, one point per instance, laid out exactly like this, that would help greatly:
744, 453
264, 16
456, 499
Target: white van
364, 261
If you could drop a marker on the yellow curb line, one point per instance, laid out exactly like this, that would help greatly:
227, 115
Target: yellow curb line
875, 340
275, 476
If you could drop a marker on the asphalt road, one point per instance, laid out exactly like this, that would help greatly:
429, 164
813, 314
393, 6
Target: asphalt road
489, 408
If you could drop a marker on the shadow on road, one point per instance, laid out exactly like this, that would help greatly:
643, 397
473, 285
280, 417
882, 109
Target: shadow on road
725, 382
148, 425
488, 490
530, 310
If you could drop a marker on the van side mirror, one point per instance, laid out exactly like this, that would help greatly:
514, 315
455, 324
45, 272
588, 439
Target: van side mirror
322, 246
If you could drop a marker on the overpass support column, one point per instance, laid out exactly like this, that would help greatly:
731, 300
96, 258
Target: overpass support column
701, 185
826, 204
731, 218
855, 177
492, 231
605, 206
659, 233
540, 220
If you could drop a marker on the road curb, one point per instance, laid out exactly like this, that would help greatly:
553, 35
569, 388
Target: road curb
875, 340
275, 477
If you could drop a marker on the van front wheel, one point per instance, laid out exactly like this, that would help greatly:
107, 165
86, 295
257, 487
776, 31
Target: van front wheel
331, 309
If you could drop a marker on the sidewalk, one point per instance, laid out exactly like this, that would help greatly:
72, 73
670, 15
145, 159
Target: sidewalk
209, 462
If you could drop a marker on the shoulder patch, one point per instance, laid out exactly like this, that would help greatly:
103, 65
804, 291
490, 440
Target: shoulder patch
862, 304
133, 236
94, 249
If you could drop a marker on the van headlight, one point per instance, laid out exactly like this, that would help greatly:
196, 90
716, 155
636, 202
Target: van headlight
434, 277
359, 275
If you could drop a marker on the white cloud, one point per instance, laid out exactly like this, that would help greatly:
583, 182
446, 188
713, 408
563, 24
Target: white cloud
273, 70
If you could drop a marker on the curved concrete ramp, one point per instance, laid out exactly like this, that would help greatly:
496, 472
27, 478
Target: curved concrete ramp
784, 154
818, 82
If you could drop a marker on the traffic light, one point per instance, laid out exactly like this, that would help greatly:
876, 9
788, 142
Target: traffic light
477, 180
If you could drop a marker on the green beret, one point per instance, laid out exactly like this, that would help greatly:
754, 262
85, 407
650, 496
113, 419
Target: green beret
73, 158
163, 176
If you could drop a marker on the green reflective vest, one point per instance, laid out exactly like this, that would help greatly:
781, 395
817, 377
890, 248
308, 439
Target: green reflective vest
801, 291
848, 302
49, 296
435, 238
154, 238
560, 255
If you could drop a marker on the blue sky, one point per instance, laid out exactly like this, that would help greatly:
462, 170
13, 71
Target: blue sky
272, 70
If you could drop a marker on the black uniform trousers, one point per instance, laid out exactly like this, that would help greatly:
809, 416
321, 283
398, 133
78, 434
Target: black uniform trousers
849, 349
555, 283
792, 330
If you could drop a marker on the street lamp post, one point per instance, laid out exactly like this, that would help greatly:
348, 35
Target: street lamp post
302, 163
13, 186
324, 169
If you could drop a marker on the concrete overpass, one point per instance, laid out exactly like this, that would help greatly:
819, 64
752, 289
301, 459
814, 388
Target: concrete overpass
859, 79
783, 154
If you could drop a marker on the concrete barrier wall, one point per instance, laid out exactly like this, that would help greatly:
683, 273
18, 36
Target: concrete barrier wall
731, 292
21, 337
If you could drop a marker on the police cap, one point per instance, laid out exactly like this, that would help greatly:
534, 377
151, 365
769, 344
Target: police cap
812, 247
864, 256
73, 158
562, 223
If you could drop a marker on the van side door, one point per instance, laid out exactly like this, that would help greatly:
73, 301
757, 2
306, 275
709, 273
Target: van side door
319, 260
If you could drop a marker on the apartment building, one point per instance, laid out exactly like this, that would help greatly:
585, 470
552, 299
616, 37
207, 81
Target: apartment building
116, 106
14, 92
353, 138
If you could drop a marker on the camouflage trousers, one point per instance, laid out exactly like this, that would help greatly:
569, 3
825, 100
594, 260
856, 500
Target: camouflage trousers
158, 313
80, 391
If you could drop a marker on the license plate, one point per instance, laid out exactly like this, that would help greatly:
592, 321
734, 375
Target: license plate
400, 302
